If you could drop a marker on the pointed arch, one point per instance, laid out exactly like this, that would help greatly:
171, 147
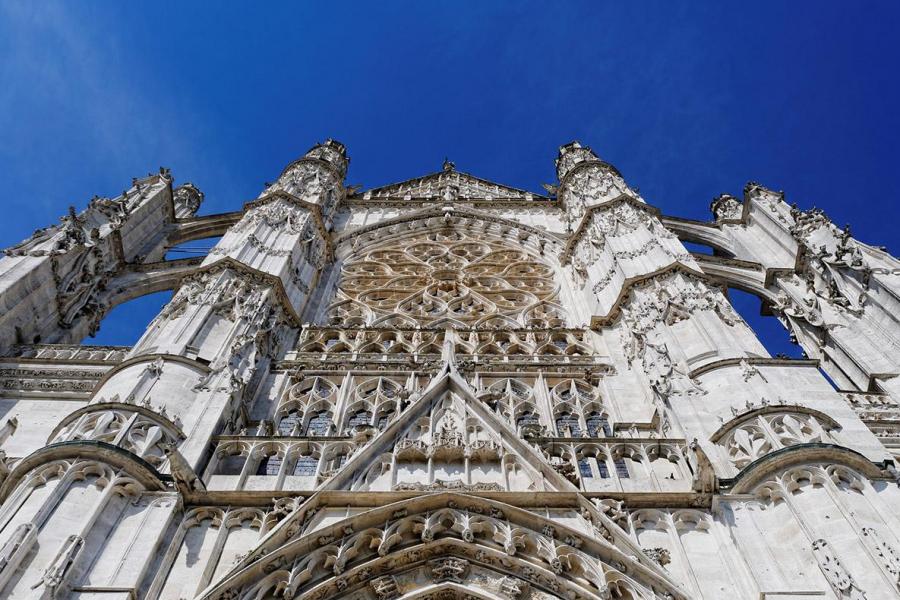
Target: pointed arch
449, 537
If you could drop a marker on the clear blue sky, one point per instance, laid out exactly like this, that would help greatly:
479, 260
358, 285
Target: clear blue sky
687, 100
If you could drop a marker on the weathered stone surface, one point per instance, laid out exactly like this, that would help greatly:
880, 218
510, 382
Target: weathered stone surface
448, 388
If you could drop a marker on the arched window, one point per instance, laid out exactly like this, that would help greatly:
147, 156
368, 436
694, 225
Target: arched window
383, 419
310, 390
306, 466
269, 465
527, 418
289, 422
404, 278
602, 468
584, 468
621, 468
338, 460
567, 425
231, 464
360, 417
319, 424
598, 425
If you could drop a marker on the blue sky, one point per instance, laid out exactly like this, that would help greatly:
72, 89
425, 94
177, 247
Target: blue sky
688, 100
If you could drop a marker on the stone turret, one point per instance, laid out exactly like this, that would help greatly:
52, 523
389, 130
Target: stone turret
585, 181
187, 199
456, 387
233, 316
674, 320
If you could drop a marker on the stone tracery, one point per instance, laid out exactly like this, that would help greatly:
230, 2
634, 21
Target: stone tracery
396, 396
446, 277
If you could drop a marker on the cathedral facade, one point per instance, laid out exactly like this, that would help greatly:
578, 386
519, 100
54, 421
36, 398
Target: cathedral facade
448, 388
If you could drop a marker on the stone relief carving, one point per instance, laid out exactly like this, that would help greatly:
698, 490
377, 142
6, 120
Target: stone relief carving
838, 577
726, 208
890, 561
445, 277
279, 214
78, 288
660, 556
56, 571
385, 588
513, 588
187, 198
449, 569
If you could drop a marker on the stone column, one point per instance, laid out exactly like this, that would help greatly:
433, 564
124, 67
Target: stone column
200, 358
701, 363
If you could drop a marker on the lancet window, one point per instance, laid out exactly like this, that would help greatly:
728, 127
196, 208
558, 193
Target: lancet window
621, 468
584, 468
597, 425
269, 465
383, 419
289, 423
319, 424
359, 418
306, 466
567, 425
527, 418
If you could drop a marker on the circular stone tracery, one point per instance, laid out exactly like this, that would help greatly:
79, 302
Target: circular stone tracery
446, 276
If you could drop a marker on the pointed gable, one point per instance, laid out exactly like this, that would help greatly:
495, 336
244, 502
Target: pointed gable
447, 420
449, 185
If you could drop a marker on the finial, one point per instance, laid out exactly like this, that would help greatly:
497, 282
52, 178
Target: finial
449, 165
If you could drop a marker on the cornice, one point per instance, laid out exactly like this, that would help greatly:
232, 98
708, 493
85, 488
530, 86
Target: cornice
763, 361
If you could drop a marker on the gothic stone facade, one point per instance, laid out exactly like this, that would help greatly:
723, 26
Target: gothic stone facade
448, 388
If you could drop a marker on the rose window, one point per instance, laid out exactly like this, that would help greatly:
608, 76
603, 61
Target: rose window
441, 278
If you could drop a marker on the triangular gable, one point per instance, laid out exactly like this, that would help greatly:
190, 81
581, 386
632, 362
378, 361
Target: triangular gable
448, 381
449, 185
